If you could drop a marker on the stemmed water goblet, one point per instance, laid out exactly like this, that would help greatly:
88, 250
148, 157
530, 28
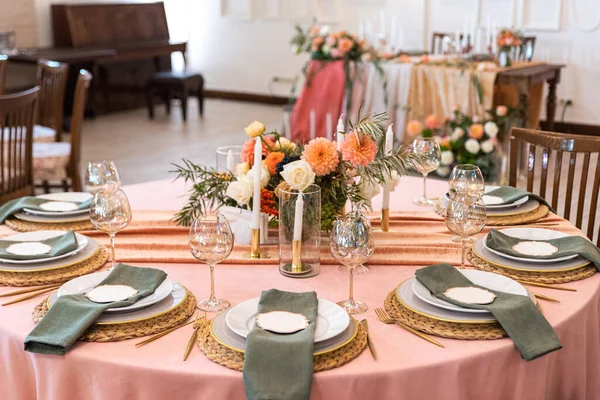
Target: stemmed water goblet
466, 183
101, 175
351, 243
465, 217
110, 212
211, 242
428, 160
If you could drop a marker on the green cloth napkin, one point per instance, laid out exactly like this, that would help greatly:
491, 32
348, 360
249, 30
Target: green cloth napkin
566, 246
523, 322
60, 245
280, 366
73, 314
14, 206
510, 194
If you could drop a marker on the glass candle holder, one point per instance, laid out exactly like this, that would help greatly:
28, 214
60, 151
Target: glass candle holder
228, 157
300, 232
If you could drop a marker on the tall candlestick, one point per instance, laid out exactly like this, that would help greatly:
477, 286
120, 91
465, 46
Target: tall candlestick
494, 34
257, 175
382, 23
230, 161
286, 125
298, 217
340, 133
457, 44
393, 33
389, 146
329, 127
312, 125
401, 39
466, 33
488, 33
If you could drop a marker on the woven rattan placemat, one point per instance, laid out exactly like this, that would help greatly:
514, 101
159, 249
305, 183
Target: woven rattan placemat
58, 275
27, 226
130, 330
234, 359
518, 219
548, 277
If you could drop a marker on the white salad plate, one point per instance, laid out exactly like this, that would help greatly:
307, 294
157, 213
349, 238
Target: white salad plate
38, 236
485, 279
491, 201
87, 282
68, 197
531, 234
46, 219
331, 319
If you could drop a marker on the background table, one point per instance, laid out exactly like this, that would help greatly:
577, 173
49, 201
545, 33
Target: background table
407, 368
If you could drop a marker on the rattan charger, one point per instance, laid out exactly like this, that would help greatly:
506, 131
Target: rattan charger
28, 226
518, 219
57, 275
131, 330
234, 359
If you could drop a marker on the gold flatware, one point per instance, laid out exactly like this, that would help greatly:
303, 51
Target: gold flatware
545, 285
544, 297
196, 326
29, 296
387, 319
365, 324
161, 334
30, 290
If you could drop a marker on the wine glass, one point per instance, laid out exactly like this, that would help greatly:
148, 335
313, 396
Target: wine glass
429, 156
352, 244
211, 242
101, 175
110, 213
465, 217
359, 207
467, 180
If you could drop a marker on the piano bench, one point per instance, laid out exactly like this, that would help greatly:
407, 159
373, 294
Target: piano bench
175, 85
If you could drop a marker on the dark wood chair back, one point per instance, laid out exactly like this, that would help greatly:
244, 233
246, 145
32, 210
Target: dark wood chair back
52, 79
437, 40
525, 51
573, 191
17, 116
3, 64
84, 80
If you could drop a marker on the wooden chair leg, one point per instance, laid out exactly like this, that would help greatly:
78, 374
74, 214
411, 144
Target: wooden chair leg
167, 100
150, 101
65, 185
201, 103
184, 98
46, 186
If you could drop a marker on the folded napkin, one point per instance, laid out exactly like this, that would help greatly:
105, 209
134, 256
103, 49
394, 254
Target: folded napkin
60, 245
523, 322
280, 366
510, 194
73, 314
566, 246
14, 206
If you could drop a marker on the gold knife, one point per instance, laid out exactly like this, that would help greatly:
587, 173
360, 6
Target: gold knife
190, 344
365, 324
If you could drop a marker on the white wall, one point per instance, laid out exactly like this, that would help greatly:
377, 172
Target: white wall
243, 55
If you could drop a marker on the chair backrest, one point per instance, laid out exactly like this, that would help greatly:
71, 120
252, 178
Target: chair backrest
581, 149
525, 51
437, 41
52, 79
84, 79
17, 116
3, 64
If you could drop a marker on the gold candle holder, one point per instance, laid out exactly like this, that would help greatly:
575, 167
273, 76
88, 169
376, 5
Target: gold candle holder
385, 219
297, 267
255, 251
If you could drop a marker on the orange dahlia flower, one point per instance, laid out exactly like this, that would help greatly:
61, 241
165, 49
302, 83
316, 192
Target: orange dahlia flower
321, 155
358, 152
272, 160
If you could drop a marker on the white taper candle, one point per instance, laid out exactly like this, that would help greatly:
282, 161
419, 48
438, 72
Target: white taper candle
298, 217
312, 125
230, 161
388, 148
329, 127
256, 195
340, 133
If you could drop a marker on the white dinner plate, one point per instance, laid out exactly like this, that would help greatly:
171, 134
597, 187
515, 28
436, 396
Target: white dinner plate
488, 280
221, 332
174, 299
487, 199
43, 265
43, 235
556, 266
407, 297
531, 234
331, 319
46, 219
87, 282
526, 207
70, 197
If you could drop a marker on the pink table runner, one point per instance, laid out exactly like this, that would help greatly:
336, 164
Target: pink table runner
408, 367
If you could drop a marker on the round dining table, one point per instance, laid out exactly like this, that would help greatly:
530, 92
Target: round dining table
407, 366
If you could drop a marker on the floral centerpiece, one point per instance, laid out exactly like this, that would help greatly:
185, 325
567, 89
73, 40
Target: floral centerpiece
351, 171
506, 40
322, 44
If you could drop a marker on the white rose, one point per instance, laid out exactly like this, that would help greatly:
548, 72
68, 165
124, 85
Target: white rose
264, 175
447, 157
491, 129
487, 146
442, 171
298, 174
240, 190
284, 143
472, 146
326, 49
324, 30
392, 181
367, 191
458, 133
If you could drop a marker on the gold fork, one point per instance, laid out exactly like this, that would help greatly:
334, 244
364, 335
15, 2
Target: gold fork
196, 326
387, 319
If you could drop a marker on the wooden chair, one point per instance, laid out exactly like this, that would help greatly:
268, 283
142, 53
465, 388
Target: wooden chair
3, 64
59, 161
575, 189
52, 79
525, 51
177, 85
17, 114
437, 41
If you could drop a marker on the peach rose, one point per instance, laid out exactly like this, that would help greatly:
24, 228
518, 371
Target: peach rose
432, 121
345, 45
476, 131
404, 59
314, 30
445, 141
501, 111
414, 128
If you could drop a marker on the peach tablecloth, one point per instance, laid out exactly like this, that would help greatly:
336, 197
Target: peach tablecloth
407, 368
